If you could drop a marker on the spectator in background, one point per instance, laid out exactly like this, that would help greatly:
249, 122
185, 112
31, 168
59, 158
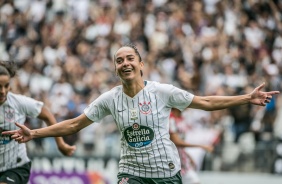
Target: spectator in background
178, 130
80, 38
243, 117
265, 126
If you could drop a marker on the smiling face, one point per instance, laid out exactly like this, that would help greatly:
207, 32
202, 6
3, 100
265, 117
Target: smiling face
128, 65
4, 87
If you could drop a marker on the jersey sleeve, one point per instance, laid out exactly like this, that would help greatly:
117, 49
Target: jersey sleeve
30, 106
175, 97
98, 109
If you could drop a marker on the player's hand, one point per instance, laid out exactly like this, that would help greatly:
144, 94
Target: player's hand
193, 164
21, 135
208, 148
261, 98
66, 149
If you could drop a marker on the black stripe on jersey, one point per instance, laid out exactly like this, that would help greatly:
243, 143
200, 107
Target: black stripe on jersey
123, 126
155, 133
135, 148
160, 133
140, 121
151, 143
122, 142
6, 153
3, 115
9, 155
16, 146
115, 112
116, 107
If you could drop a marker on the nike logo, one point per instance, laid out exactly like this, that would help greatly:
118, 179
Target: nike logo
9, 179
121, 110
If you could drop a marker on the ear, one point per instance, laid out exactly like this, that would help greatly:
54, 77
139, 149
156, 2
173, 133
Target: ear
116, 70
141, 64
141, 67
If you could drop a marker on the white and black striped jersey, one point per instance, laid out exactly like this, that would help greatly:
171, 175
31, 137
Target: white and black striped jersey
146, 149
15, 109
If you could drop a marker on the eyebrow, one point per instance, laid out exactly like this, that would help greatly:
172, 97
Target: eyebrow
129, 55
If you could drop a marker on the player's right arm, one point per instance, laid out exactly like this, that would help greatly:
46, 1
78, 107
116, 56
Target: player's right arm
63, 128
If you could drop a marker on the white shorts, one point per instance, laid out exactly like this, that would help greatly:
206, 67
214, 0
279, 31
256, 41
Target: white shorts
191, 177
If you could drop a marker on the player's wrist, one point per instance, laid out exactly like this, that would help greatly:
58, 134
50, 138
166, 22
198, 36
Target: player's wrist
33, 134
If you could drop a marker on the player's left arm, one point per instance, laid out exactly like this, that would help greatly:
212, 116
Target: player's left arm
209, 103
49, 119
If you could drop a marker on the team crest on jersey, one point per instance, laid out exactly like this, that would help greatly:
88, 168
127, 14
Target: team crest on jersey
145, 107
9, 114
138, 135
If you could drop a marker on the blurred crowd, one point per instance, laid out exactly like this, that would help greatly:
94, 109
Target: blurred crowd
64, 50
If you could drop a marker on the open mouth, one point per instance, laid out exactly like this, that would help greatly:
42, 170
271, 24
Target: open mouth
128, 70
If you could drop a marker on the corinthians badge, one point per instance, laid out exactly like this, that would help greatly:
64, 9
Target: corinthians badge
9, 114
145, 107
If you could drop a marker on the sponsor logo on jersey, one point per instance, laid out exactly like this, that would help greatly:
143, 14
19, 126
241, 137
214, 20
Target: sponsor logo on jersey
10, 179
4, 139
171, 165
187, 96
133, 114
145, 107
124, 181
138, 135
121, 110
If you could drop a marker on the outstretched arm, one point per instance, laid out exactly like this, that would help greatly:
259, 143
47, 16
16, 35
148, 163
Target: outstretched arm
63, 128
256, 97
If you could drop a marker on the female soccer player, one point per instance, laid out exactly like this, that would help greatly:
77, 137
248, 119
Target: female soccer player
141, 110
14, 162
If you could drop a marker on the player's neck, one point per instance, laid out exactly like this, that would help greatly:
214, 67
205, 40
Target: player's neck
131, 89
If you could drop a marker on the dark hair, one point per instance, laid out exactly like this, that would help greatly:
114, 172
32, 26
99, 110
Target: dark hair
8, 68
131, 45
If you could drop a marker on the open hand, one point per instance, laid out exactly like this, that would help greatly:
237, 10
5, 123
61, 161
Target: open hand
66, 149
21, 135
261, 98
